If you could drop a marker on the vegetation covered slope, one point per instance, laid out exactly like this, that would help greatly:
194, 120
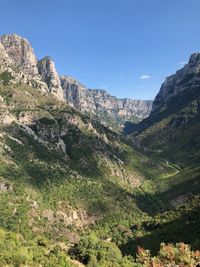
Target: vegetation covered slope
70, 187
172, 132
63, 174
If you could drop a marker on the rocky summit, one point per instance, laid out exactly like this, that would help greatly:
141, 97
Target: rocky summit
21, 52
18, 52
183, 79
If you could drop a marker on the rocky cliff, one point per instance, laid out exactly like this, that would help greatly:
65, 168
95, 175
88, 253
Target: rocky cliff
173, 127
187, 77
17, 57
97, 100
47, 70
124, 107
21, 52
77, 95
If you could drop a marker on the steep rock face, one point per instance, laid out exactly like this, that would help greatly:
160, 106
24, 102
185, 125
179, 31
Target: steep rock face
76, 94
131, 107
104, 101
98, 101
5, 60
187, 77
21, 52
47, 70
18, 62
125, 108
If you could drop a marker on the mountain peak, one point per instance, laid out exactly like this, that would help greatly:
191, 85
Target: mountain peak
12, 36
47, 70
194, 58
46, 58
20, 51
187, 77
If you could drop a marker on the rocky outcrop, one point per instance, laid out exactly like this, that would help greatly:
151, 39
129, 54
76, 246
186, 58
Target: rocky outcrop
21, 52
15, 50
5, 60
187, 77
18, 62
5, 186
47, 70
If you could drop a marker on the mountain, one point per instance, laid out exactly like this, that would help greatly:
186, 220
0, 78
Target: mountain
20, 52
172, 133
186, 78
110, 110
173, 127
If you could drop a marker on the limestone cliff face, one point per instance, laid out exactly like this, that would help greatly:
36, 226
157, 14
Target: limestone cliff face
21, 52
17, 59
47, 70
139, 108
125, 108
98, 101
187, 77
5, 61
77, 95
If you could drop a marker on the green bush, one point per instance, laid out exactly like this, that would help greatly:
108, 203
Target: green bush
5, 77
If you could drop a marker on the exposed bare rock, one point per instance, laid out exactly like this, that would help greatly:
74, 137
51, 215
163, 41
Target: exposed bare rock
180, 200
187, 77
5, 60
21, 52
7, 118
5, 186
18, 62
76, 217
77, 95
26, 118
47, 70
125, 108
100, 103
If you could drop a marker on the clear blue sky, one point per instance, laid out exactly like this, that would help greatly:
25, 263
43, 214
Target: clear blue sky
110, 44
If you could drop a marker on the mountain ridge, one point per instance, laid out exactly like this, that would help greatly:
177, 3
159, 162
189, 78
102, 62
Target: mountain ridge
173, 125
98, 103
176, 83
